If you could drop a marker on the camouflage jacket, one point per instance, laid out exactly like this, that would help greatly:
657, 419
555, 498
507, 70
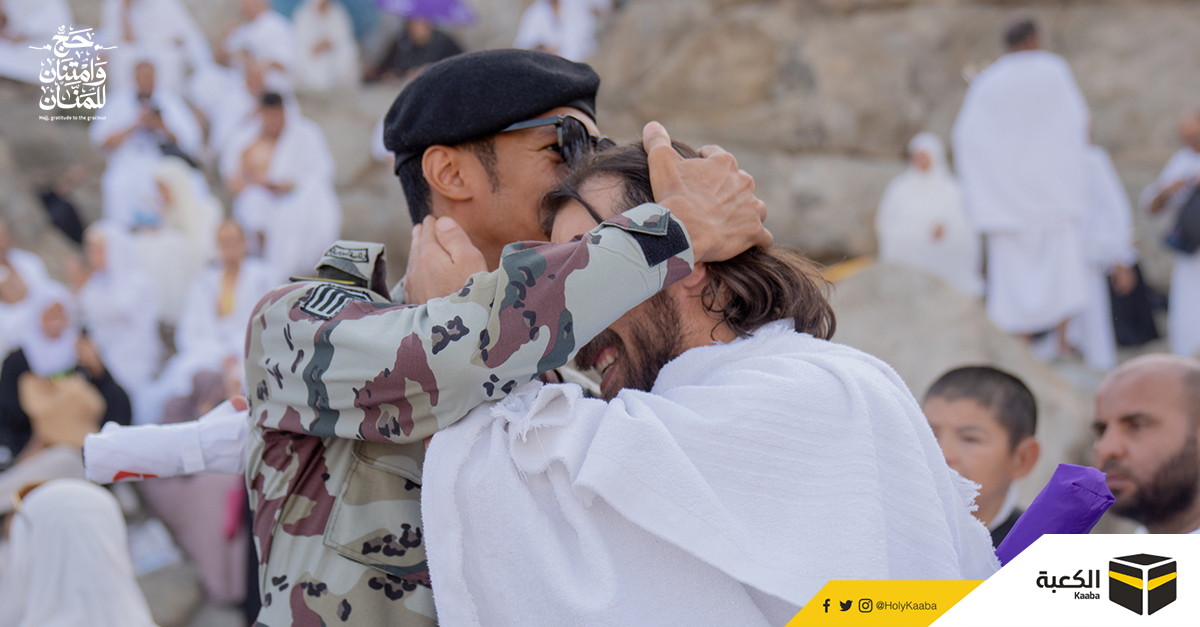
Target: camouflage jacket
344, 386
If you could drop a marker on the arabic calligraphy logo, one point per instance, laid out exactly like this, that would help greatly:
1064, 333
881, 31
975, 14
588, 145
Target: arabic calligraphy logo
1073, 582
1143, 584
72, 74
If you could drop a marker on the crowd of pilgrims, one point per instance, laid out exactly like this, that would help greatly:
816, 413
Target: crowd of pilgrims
1061, 269
187, 125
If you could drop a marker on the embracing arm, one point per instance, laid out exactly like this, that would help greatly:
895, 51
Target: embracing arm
399, 373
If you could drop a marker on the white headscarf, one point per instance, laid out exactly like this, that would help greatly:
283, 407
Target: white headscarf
914, 205
49, 356
69, 563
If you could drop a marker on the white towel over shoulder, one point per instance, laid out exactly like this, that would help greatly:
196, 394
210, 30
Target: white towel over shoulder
754, 473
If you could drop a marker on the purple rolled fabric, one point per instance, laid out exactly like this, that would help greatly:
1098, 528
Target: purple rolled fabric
1072, 502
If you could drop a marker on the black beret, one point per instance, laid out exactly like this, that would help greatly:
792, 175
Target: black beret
478, 94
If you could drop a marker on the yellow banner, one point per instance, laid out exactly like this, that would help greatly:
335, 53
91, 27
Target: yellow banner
882, 603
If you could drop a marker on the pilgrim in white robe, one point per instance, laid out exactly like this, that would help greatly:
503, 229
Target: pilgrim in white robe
162, 31
224, 96
1020, 146
177, 250
49, 356
1183, 316
29, 23
270, 40
752, 474
295, 227
568, 31
129, 193
921, 221
1107, 234
327, 55
262, 58
30, 270
204, 337
203, 329
120, 311
69, 562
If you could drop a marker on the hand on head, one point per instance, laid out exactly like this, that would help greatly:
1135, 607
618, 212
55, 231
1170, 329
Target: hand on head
441, 259
714, 199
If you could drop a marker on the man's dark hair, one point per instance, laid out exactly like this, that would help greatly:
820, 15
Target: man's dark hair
1019, 31
271, 99
754, 288
416, 189
1009, 400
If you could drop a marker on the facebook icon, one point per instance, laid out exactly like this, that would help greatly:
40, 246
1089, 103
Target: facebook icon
826, 605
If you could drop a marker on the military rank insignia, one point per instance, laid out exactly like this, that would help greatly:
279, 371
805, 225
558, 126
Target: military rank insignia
326, 300
1142, 583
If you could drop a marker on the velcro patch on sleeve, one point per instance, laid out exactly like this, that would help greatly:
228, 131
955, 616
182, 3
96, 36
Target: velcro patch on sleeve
326, 300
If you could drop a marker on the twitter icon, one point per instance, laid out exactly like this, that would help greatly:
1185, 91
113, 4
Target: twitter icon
845, 605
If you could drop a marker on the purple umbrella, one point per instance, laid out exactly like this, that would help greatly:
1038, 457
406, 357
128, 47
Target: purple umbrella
452, 12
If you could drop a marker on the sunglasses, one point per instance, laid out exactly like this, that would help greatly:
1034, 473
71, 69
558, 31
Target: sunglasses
574, 140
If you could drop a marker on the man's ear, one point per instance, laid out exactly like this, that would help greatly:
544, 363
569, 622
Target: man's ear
1025, 457
443, 170
696, 281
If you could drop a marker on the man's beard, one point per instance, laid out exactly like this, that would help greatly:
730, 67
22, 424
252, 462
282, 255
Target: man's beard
1172, 489
655, 339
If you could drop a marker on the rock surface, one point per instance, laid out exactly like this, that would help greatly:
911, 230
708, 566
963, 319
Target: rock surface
803, 83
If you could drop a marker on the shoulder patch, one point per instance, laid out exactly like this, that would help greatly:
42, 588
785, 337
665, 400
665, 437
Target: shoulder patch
357, 255
326, 300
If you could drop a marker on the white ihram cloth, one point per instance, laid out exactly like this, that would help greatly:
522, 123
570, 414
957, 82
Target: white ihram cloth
335, 67
221, 92
162, 31
127, 186
69, 562
214, 444
120, 309
38, 21
751, 475
571, 33
203, 338
268, 38
202, 329
1107, 235
914, 205
1020, 146
298, 226
1184, 314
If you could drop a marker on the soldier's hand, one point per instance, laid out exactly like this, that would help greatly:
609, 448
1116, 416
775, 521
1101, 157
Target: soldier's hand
711, 196
440, 260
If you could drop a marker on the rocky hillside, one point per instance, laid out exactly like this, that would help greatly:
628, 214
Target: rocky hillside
818, 98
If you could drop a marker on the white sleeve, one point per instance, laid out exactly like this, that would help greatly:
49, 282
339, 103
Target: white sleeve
214, 444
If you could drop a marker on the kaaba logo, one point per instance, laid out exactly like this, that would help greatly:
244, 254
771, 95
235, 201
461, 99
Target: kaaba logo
1142, 583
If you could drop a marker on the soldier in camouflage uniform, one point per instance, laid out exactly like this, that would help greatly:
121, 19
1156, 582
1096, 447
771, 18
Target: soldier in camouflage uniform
344, 385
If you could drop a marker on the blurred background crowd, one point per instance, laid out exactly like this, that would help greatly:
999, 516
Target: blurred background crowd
242, 137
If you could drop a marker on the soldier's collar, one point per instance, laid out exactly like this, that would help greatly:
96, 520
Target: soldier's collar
298, 279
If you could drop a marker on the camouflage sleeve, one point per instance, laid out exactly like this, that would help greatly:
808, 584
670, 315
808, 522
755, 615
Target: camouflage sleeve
386, 372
